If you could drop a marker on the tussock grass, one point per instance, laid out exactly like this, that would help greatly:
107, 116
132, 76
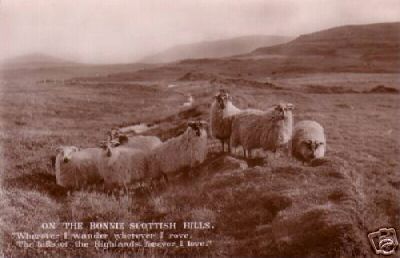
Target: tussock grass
272, 206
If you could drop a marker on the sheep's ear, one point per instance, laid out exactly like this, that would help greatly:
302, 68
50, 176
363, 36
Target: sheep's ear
76, 149
59, 149
191, 124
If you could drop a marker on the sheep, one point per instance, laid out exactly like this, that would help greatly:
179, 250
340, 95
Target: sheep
221, 113
77, 167
145, 143
308, 141
268, 129
121, 165
186, 150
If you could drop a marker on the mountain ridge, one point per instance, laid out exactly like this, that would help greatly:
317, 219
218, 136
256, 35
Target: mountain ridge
215, 48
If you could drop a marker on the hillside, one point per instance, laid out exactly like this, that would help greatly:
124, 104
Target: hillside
214, 49
373, 41
35, 60
269, 206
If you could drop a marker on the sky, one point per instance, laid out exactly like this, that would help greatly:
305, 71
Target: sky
121, 31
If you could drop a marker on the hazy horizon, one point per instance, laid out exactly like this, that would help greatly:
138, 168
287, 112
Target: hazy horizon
124, 31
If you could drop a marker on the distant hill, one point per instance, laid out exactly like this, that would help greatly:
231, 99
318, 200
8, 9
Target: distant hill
215, 49
379, 41
35, 60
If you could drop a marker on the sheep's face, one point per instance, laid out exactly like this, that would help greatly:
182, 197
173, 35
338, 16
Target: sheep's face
66, 152
197, 127
222, 99
312, 149
282, 111
107, 146
113, 134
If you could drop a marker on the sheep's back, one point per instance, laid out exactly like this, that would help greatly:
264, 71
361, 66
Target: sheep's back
308, 130
124, 166
169, 155
251, 130
145, 143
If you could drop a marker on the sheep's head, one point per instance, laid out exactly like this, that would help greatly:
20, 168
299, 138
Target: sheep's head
114, 133
222, 98
66, 152
311, 149
108, 145
282, 110
198, 127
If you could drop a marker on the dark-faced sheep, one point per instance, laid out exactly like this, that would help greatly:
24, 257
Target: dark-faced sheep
308, 141
221, 113
186, 150
76, 168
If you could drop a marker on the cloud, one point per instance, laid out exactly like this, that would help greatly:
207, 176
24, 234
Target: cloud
124, 30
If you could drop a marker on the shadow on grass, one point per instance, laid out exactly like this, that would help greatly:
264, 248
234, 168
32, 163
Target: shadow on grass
40, 181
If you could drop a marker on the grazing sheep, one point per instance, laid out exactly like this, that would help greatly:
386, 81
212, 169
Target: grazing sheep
187, 150
144, 143
221, 113
308, 141
262, 129
121, 165
76, 167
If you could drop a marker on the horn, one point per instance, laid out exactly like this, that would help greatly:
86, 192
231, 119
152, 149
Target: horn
289, 106
114, 143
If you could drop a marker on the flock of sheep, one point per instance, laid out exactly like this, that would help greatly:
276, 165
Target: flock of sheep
122, 160
267, 129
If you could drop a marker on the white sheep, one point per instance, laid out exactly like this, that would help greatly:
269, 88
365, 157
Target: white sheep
144, 143
77, 167
186, 150
121, 165
268, 129
221, 114
308, 141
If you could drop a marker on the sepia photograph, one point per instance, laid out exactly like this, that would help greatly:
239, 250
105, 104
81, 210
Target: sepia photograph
199, 128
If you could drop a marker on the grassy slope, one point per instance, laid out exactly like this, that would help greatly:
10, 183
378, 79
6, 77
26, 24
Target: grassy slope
281, 208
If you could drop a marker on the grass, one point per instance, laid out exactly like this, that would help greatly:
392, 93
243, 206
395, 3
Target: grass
281, 208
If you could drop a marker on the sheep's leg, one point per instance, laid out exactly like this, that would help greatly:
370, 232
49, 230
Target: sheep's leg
165, 177
249, 153
229, 147
223, 146
244, 152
